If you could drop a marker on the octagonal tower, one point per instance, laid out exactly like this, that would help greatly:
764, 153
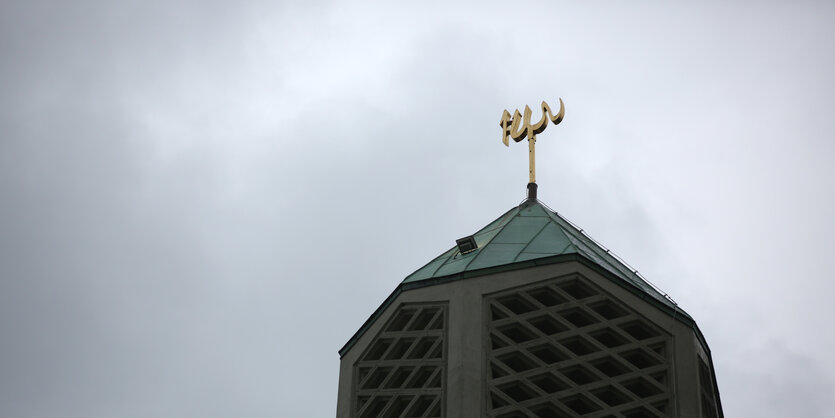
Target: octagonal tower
528, 317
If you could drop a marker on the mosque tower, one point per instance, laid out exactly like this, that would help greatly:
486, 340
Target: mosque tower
527, 317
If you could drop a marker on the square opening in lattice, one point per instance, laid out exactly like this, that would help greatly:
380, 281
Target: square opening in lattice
496, 341
496, 400
580, 404
577, 289
547, 324
517, 332
399, 322
421, 406
497, 313
611, 395
546, 296
399, 349
708, 408
607, 309
517, 391
548, 410
437, 351
435, 380
579, 346
548, 383
438, 323
421, 349
642, 388
398, 406
421, 322
640, 330
497, 371
704, 377
361, 401
578, 317
610, 367
435, 411
376, 378
516, 304
399, 377
659, 348
378, 349
609, 337
661, 406
375, 406
512, 414
548, 354
708, 398
640, 412
660, 377
362, 373
517, 361
420, 379
580, 375
640, 358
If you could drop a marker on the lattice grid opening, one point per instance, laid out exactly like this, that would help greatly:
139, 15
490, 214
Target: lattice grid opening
402, 372
706, 391
566, 348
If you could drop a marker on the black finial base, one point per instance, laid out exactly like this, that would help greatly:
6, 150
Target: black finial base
532, 191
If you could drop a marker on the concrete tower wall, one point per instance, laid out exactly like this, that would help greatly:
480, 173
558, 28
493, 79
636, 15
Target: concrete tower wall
466, 360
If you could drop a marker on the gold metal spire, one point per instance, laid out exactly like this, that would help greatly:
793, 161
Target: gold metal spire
519, 127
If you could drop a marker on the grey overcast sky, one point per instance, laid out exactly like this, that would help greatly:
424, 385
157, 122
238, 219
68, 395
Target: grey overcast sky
201, 201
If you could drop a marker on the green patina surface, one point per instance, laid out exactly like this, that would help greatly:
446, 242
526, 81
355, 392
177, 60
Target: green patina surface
526, 236
530, 231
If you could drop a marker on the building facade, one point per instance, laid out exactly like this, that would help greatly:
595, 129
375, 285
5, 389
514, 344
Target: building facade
528, 317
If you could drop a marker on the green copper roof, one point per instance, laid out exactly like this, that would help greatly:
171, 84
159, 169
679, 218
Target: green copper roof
528, 232
527, 236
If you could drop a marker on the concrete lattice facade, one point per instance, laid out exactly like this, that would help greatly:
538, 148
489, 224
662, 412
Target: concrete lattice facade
557, 340
403, 370
565, 347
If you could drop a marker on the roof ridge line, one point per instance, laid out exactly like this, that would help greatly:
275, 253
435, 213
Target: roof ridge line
483, 230
501, 225
545, 225
616, 257
439, 267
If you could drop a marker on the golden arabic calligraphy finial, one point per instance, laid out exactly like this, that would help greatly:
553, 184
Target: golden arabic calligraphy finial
519, 127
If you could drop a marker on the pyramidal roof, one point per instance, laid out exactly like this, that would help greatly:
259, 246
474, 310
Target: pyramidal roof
532, 234
528, 235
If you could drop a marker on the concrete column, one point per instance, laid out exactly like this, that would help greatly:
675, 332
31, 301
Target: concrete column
465, 361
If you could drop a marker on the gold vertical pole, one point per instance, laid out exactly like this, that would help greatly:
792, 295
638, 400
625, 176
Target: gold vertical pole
518, 127
532, 159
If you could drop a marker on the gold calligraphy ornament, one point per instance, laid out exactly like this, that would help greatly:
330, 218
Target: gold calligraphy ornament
519, 127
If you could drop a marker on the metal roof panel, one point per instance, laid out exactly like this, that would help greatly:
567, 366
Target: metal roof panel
530, 231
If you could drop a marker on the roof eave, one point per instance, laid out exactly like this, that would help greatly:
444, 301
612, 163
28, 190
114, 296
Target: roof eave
676, 312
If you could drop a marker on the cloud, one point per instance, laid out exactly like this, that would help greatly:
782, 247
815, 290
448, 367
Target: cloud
201, 202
